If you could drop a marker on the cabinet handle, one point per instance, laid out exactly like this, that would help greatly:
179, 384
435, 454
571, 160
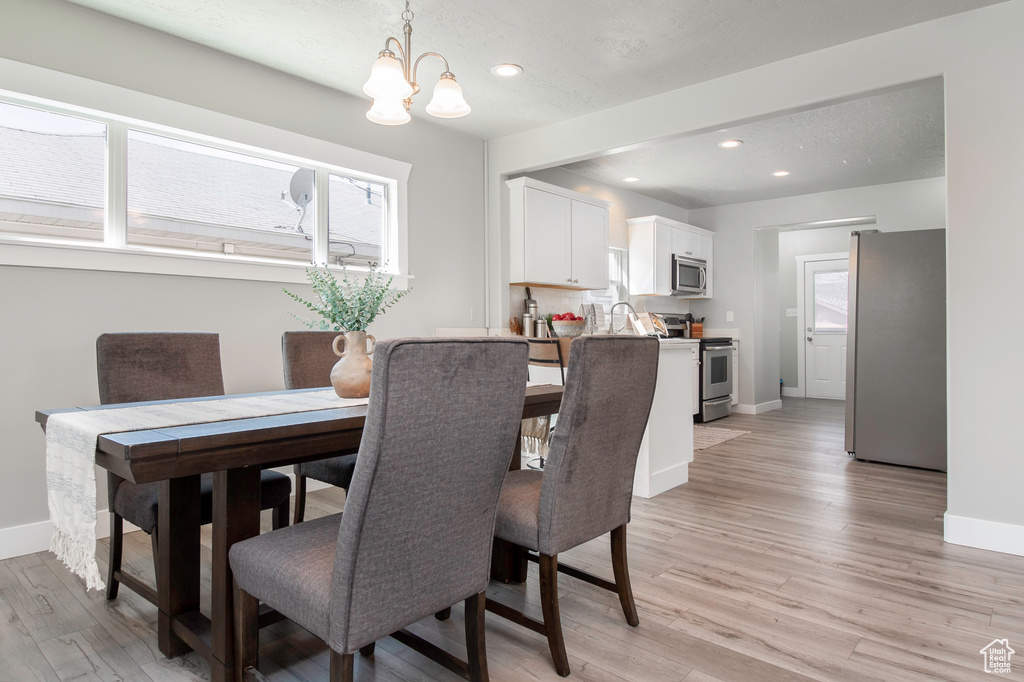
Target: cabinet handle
569, 280
575, 281
689, 253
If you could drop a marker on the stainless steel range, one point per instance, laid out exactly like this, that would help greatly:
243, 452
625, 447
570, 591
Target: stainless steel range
715, 378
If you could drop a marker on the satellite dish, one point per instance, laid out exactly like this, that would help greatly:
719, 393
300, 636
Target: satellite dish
301, 190
301, 187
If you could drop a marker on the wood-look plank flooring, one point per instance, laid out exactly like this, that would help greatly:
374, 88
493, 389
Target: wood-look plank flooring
781, 559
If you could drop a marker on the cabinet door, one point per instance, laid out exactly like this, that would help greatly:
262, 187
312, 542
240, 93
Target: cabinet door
695, 384
687, 244
589, 246
548, 253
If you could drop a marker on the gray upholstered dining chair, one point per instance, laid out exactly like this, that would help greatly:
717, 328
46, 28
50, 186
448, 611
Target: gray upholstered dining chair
586, 488
417, 530
308, 359
135, 367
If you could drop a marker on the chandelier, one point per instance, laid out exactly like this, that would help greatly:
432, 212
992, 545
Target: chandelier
392, 83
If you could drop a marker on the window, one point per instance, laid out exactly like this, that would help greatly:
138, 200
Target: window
201, 198
357, 219
52, 174
618, 282
830, 302
70, 178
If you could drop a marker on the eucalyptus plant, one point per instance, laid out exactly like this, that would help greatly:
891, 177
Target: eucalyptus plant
349, 305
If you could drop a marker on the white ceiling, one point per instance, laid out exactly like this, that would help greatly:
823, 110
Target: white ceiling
887, 137
579, 56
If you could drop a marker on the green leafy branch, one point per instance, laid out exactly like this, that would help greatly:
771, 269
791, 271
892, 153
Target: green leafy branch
347, 306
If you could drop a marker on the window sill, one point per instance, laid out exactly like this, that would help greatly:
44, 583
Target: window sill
67, 255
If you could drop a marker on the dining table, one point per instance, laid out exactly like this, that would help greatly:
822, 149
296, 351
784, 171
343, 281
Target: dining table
235, 452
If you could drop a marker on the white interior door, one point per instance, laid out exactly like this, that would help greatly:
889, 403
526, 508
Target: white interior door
825, 322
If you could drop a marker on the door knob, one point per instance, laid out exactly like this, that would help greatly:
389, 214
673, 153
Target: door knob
810, 339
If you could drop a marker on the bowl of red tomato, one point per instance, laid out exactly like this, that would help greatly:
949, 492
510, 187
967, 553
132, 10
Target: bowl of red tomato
567, 325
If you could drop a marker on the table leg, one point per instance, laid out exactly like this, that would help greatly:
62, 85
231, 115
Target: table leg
236, 517
177, 559
508, 561
517, 452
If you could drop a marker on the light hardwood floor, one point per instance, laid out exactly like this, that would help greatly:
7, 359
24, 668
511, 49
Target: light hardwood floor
781, 559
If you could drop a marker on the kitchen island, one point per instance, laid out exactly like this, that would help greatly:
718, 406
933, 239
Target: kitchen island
667, 447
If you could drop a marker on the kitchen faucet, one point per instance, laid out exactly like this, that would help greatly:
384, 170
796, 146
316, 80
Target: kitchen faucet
611, 316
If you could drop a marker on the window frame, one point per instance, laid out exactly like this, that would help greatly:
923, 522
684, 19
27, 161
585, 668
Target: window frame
124, 110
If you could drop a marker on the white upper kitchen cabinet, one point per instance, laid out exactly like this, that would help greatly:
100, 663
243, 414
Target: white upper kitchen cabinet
687, 243
653, 242
557, 237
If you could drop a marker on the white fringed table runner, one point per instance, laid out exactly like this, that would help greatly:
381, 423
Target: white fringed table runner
71, 457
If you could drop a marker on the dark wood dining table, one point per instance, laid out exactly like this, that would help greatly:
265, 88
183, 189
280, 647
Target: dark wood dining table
235, 452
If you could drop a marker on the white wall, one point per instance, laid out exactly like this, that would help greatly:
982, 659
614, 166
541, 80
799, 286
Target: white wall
51, 317
981, 58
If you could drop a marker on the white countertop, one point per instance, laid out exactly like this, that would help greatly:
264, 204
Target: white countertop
679, 342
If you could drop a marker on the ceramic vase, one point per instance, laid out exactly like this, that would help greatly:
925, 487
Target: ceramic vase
351, 374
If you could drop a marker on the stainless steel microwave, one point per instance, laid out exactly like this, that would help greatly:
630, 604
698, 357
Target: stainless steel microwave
689, 276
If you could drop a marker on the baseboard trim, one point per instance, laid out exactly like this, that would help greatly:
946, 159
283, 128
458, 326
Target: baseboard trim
35, 537
994, 536
743, 408
311, 484
664, 480
788, 392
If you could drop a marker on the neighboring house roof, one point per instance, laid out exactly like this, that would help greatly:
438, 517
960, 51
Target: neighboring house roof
177, 184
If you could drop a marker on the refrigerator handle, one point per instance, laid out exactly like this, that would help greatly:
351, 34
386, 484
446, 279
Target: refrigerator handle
851, 346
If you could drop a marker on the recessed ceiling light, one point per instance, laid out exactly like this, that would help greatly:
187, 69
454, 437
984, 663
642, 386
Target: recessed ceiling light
507, 70
630, 179
780, 174
730, 144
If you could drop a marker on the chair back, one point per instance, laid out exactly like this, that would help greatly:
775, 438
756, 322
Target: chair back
308, 358
588, 481
138, 366
418, 525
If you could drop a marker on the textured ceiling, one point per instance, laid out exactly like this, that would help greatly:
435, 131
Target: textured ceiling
894, 136
579, 56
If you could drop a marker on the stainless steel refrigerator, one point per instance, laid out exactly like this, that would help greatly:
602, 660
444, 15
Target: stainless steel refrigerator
896, 348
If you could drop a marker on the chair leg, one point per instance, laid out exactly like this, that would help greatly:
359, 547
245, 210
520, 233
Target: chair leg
342, 667
552, 619
621, 572
280, 518
444, 614
247, 632
300, 496
476, 646
114, 560
368, 649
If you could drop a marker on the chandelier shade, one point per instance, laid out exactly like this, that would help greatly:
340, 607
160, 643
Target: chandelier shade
388, 112
448, 101
387, 78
